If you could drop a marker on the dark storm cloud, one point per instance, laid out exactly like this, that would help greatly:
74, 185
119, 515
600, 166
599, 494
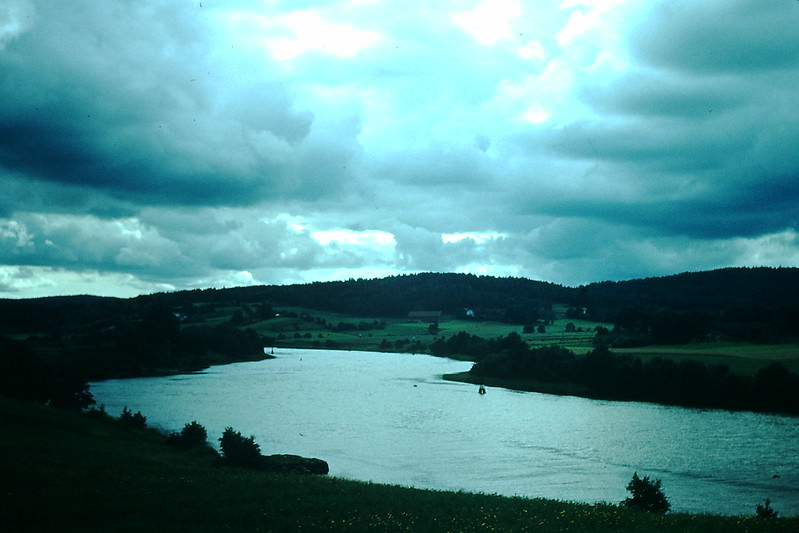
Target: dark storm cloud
56, 149
652, 145
136, 105
154, 144
658, 94
693, 138
714, 36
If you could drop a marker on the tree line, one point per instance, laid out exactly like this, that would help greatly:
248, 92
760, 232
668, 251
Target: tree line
607, 375
150, 343
751, 304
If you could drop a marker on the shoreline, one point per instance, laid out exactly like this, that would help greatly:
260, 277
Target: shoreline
557, 389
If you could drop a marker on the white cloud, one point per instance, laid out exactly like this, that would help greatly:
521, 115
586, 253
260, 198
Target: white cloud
311, 32
479, 238
375, 239
287, 36
491, 21
536, 114
532, 50
16, 234
774, 249
40, 281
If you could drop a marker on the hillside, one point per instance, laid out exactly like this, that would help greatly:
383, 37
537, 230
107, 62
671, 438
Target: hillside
750, 304
65, 472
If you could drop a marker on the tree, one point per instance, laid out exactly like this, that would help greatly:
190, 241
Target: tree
647, 495
160, 324
193, 434
25, 375
132, 420
239, 450
70, 392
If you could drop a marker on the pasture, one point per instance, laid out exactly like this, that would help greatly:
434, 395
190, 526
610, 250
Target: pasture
308, 328
743, 359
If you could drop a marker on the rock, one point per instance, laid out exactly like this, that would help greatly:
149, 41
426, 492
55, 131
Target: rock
294, 464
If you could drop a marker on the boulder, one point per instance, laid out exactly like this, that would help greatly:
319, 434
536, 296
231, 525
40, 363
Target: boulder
293, 464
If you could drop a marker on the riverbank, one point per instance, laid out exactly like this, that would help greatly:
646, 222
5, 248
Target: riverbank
66, 471
527, 385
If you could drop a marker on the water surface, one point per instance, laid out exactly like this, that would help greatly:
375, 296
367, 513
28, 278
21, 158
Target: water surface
390, 418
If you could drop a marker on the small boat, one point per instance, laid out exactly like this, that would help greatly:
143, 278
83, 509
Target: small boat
481, 390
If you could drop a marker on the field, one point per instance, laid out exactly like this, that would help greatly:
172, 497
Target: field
302, 328
743, 359
298, 327
66, 472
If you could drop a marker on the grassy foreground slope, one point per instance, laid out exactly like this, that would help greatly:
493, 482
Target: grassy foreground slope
64, 471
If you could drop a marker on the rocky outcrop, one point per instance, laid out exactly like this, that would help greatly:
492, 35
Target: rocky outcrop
293, 464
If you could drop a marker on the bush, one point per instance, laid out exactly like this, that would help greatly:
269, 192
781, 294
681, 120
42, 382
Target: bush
97, 411
131, 420
646, 495
193, 434
239, 450
765, 510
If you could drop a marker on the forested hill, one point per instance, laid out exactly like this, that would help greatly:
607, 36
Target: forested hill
737, 294
713, 290
512, 299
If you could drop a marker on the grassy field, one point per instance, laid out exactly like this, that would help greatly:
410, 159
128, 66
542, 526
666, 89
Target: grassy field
65, 472
305, 330
298, 327
743, 359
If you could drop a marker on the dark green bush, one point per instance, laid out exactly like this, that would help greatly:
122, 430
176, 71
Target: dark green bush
765, 510
239, 450
97, 411
132, 420
647, 495
193, 434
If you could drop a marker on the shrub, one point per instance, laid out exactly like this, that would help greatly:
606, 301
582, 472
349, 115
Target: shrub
239, 450
765, 510
132, 420
97, 411
193, 434
646, 495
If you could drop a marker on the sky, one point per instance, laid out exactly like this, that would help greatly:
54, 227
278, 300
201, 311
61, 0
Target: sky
161, 145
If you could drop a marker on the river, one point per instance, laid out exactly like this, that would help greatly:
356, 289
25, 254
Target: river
390, 418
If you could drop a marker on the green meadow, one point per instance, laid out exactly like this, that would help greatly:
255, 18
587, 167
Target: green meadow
742, 358
303, 328
65, 471
297, 327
